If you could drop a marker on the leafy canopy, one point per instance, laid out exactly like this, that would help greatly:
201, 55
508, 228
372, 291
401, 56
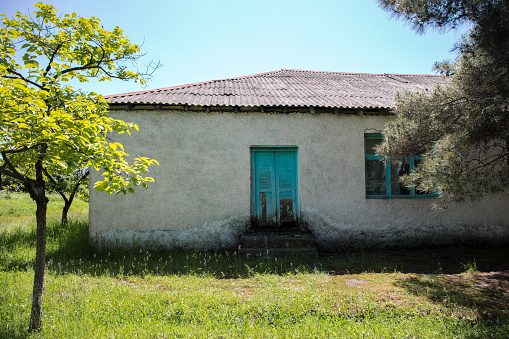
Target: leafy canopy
38, 58
462, 128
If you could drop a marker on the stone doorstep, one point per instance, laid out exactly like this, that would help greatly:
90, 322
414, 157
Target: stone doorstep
277, 240
277, 244
279, 252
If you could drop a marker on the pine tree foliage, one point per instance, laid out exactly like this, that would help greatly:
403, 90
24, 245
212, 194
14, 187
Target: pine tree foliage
463, 127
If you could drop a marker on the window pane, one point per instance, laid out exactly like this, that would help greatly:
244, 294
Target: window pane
376, 183
370, 143
399, 168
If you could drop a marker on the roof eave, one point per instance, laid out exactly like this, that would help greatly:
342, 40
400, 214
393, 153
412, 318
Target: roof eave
169, 105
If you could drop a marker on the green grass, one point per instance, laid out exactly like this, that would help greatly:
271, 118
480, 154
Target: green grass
17, 210
186, 294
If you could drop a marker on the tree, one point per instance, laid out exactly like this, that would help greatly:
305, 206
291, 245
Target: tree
48, 128
68, 187
462, 128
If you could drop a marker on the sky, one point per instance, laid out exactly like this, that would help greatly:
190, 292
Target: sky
201, 40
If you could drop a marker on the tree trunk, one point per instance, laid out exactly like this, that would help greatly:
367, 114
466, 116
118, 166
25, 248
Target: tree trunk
40, 263
65, 210
38, 193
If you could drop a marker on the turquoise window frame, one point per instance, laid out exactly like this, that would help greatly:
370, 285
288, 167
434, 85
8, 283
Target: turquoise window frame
388, 193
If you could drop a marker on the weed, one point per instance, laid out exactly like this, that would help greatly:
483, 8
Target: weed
470, 267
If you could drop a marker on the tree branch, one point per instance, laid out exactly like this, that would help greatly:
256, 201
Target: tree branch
75, 188
55, 184
12, 172
21, 150
21, 77
52, 58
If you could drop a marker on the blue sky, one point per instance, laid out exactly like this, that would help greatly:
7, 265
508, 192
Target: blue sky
200, 40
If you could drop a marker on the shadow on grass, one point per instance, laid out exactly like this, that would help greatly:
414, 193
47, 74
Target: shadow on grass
452, 277
446, 260
69, 251
485, 293
476, 278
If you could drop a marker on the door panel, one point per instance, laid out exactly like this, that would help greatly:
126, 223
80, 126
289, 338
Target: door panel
265, 188
285, 166
274, 185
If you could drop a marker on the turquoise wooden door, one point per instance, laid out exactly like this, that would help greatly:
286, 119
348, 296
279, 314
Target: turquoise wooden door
274, 187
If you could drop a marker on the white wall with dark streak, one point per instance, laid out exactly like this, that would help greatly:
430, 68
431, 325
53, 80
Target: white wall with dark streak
201, 194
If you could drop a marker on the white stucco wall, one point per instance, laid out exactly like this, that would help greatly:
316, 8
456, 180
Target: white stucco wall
201, 197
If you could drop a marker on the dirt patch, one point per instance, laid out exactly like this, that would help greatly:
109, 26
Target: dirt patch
356, 283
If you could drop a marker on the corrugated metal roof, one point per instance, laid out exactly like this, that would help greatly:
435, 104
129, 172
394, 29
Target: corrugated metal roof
289, 87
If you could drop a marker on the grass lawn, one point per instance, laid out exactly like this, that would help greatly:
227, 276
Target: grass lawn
435, 293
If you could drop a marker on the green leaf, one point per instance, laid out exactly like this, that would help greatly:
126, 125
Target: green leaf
37, 107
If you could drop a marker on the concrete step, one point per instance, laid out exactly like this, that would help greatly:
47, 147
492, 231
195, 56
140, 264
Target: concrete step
277, 240
278, 244
307, 252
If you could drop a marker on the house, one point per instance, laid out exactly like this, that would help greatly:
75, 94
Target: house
273, 150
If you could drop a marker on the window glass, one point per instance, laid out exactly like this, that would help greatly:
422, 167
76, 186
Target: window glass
376, 179
370, 144
399, 167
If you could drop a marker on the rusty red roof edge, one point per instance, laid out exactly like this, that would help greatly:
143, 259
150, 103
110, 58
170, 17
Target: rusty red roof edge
295, 106
260, 74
